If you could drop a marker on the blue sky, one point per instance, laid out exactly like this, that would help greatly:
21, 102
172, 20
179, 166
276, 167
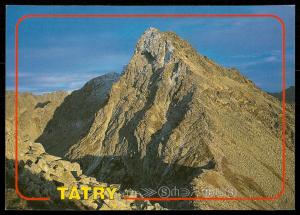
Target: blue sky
63, 54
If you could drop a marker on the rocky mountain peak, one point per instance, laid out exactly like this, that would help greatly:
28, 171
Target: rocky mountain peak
156, 46
172, 119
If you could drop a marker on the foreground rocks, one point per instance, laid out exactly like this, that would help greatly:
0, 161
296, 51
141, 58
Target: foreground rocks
40, 174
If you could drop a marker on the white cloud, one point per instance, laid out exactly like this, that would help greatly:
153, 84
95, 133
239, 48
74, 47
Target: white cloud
273, 57
270, 59
57, 81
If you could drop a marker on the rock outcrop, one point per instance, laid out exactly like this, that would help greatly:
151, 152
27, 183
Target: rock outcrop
41, 173
34, 112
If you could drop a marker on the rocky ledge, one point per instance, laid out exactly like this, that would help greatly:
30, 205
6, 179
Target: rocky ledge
41, 173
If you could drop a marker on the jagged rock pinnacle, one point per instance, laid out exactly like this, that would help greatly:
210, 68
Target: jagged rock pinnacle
155, 46
151, 29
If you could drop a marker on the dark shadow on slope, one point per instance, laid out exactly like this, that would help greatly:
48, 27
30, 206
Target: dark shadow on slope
41, 104
154, 173
114, 170
133, 123
289, 95
151, 171
32, 185
73, 119
175, 114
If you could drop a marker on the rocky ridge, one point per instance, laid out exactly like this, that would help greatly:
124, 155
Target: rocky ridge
41, 173
73, 118
34, 112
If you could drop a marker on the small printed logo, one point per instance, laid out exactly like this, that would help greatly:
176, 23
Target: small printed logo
166, 192
148, 192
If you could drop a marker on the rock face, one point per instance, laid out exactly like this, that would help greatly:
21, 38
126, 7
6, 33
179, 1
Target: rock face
177, 118
41, 173
34, 113
74, 117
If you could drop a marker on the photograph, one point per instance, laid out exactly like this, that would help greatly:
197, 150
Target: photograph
149, 107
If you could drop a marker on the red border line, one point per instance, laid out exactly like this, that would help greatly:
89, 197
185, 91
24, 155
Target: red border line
283, 44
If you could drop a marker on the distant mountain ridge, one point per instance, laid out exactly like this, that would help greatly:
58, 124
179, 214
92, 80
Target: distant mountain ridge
72, 120
289, 95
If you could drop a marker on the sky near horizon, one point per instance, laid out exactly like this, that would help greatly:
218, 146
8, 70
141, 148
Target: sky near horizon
63, 54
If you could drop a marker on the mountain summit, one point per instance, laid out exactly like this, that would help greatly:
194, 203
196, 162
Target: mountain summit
177, 118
